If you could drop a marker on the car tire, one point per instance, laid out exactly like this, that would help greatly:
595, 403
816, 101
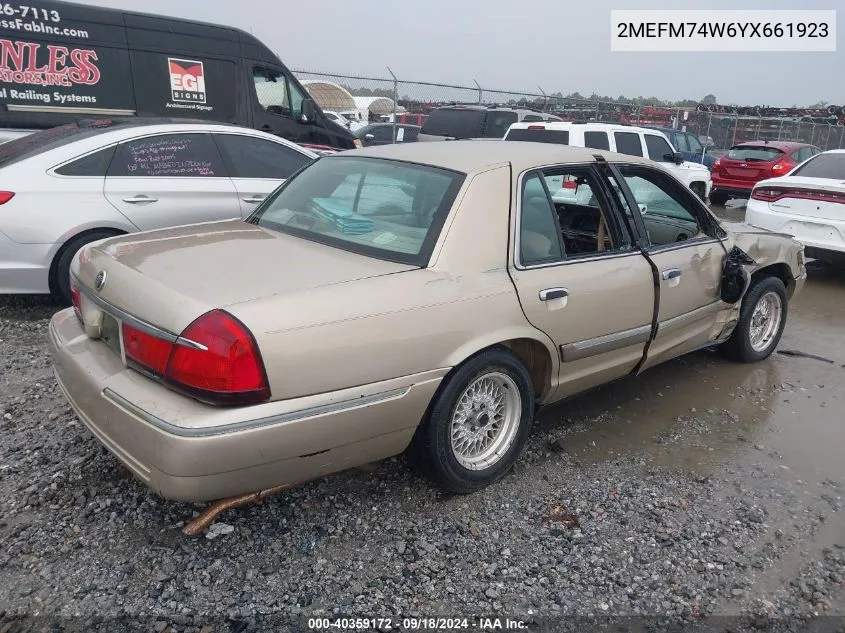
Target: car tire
449, 447
762, 318
698, 188
718, 198
60, 278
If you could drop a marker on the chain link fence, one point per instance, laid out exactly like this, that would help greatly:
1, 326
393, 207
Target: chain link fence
420, 97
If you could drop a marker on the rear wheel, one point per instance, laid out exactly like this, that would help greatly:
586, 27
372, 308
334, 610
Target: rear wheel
478, 423
60, 275
718, 198
762, 318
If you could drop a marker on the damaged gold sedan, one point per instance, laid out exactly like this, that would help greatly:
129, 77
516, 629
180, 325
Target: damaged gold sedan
423, 297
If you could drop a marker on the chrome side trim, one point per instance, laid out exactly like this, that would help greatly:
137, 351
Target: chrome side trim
12, 107
135, 322
246, 425
682, 320
603, 344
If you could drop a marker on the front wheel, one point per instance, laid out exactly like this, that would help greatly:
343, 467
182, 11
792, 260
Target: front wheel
762, 318
478, 423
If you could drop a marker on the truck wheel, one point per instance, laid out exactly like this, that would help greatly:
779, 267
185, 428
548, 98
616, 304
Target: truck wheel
718, 198
477, 424
762, 318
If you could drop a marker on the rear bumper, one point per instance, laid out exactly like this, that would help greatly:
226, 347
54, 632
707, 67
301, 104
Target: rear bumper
736, 188
185, 450
24, 268
819, 235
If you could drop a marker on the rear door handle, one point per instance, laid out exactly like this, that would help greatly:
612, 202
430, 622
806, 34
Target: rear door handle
671, 273
254, 199
553, 293
139, 198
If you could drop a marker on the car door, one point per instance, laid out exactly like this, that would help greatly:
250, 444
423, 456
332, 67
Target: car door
170, 179
681, 143
688, 257
593, 297
257, 166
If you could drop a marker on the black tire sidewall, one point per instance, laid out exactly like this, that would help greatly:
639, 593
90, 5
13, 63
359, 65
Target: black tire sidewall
719, 199
743, 331
443, 466
61, 286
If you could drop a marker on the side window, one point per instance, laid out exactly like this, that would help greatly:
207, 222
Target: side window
92, 165
382, 133
271, 89
596, 140
658, 148
250, 157
695, 145
667, 208
498, 123
539, 239
628, 143
587, 222
682, 142
168, 156
296, 99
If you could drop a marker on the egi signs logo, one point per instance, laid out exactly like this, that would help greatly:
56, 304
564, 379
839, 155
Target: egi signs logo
187, 80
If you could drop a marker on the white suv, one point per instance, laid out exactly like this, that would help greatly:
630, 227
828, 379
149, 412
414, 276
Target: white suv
624, 139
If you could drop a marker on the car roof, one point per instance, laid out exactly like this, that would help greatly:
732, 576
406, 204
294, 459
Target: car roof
472, 155
568, 125
782, 145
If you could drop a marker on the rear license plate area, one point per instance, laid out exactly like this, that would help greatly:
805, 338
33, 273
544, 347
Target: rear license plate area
110, 333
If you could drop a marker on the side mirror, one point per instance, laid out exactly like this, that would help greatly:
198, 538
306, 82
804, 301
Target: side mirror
675, 157
309, 111
643, 209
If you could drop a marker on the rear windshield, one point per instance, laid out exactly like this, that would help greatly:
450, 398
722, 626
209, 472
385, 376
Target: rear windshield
454, 122
382, 208
40, 142
754, 153
823, 166
537, 135
498, 123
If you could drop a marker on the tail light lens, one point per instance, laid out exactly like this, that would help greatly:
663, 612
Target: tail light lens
215, 360
570, 184
781, 167
716, 165
146, 350
230, 367
536, 127
766, 194
5, 196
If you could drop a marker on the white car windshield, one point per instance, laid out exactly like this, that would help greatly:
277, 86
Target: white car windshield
383, 208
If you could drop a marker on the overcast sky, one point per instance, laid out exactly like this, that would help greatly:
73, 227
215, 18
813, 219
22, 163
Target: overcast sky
559, 45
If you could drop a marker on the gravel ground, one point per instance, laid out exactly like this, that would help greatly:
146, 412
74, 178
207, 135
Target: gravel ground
561, 543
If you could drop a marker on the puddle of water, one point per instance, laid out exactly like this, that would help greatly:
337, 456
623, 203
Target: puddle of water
733, 211
702, 412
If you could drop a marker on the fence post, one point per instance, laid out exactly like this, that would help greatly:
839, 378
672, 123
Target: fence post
395, 98
841, 132
780, 128
736, 125
545, 97
480, 91
827, 140
759, 125
706, 135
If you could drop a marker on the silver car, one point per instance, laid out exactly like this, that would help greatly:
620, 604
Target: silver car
68, 186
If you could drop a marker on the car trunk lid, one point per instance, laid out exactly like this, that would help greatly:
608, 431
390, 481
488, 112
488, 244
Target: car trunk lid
169, 277
820, 198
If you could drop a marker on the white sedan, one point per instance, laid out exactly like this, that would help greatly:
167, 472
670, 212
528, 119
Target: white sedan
808, 203
68, 186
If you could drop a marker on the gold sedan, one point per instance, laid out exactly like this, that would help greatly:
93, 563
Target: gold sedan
424, 297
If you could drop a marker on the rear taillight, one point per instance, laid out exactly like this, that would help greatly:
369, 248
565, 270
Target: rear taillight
782, 166
766, 194
570, 184
230, 365
146, 350
716, 165
5, 196
536, 127
215, 359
